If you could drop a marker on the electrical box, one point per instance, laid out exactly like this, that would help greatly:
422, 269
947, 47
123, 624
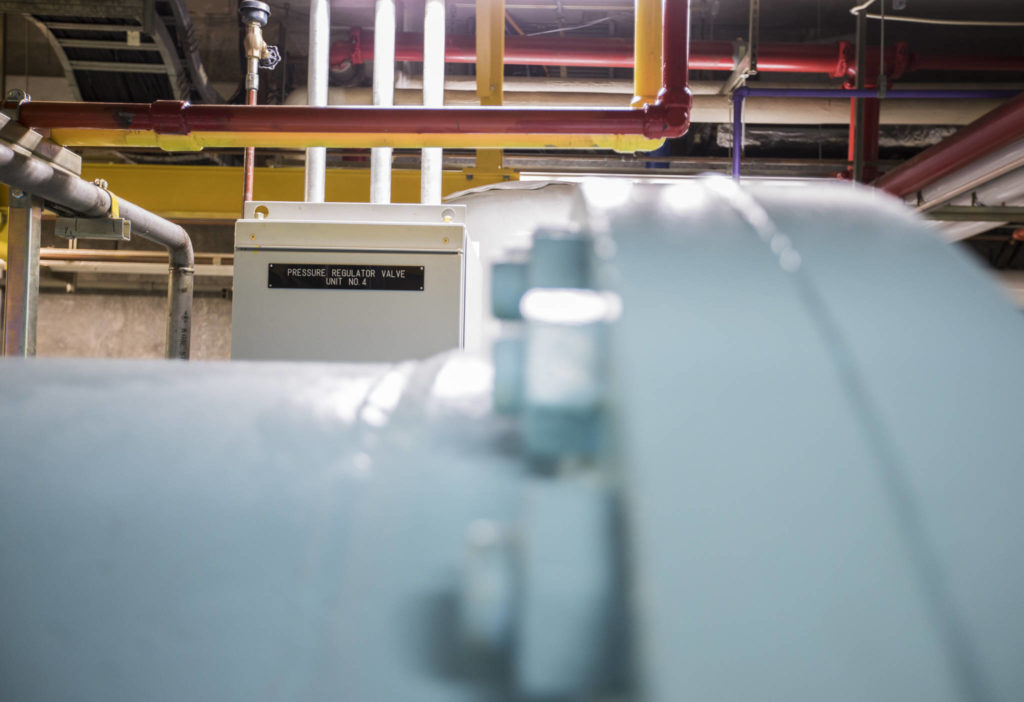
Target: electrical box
353, 282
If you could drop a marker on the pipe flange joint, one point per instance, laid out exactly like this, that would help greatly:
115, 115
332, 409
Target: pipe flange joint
168, 116
560, 258
254, 12
563, 359
508, 285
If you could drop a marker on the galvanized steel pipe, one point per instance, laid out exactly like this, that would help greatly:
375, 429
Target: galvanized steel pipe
383, 96
433, 96
319, 68
88, 200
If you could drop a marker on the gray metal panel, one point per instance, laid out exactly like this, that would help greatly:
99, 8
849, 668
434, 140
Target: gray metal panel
357, 212
340, 235
345, 325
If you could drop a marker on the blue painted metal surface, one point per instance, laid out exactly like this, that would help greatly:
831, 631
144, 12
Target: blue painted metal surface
815, 399
801, 485
240, 531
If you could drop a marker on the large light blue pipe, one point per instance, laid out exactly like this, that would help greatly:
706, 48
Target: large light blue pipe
807, 488
239, 531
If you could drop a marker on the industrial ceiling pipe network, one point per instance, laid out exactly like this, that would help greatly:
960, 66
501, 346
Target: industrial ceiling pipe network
740, 95
668, 117
837, 60
83, 198
996, 130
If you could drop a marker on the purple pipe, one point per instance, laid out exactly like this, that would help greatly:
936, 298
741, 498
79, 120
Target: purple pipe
740, 94
872, 93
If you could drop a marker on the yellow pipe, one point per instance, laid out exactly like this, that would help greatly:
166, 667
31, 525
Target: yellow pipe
490, 69
490, 51
211, 192
646, 52
197, 141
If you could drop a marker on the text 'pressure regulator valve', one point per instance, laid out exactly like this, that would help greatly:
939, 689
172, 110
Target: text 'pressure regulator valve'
258, 54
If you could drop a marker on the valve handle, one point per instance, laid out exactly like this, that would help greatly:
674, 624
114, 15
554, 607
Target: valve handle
272, 58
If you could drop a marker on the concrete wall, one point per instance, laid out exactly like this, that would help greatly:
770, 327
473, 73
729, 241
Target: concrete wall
126, 325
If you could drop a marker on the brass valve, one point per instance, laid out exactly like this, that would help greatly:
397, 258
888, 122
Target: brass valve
258, 54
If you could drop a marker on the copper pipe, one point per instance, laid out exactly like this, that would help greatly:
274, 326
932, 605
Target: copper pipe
249, 164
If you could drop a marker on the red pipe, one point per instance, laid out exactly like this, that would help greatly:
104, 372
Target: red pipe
248, 160
675, 94
992, 131
608, 52
869, 147
836, 60
175, 117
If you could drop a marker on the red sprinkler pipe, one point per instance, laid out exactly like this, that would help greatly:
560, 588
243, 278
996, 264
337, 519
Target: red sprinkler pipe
836, 60
669, 117
611, 52
990, 132
675, 97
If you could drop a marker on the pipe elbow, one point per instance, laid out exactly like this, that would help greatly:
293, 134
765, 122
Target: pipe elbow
669, 117
182, 255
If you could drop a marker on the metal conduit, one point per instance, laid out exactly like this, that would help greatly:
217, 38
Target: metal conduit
88, 200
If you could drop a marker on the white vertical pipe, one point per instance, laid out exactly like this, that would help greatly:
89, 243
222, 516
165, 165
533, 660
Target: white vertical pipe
383, 94
319, 66
433, 96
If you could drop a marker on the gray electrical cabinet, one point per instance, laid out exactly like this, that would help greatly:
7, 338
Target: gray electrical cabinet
353, 282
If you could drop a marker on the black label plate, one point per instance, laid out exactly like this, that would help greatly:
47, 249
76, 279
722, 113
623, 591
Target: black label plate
344, 276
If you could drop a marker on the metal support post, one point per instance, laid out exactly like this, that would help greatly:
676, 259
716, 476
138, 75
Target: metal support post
21, 301
857, 111
737, 132
746, 65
